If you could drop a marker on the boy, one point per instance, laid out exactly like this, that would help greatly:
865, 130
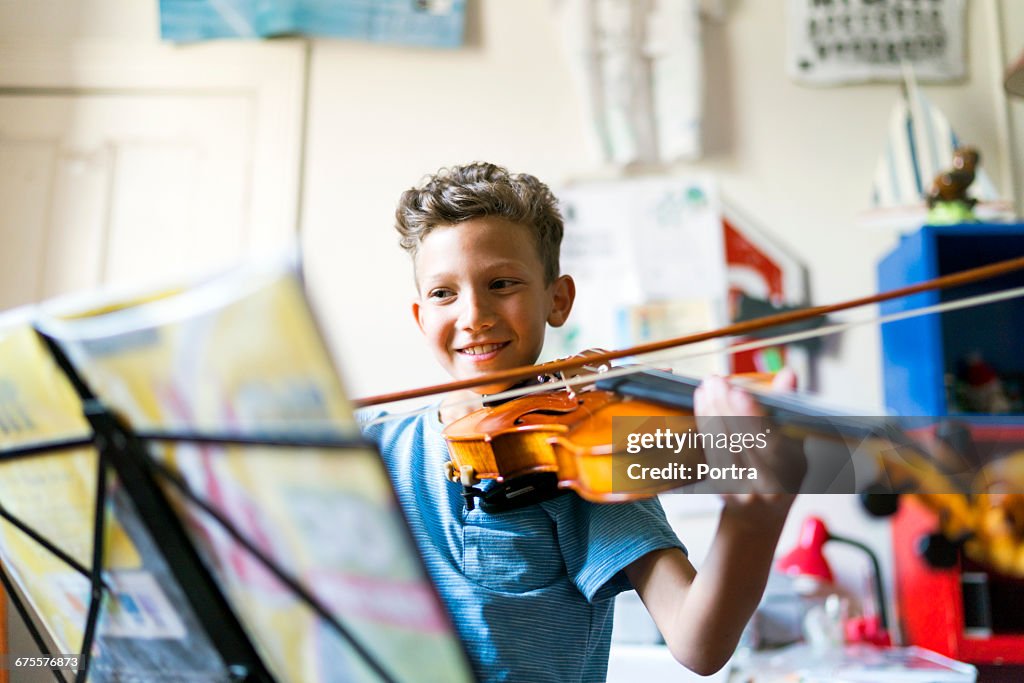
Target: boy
531, 590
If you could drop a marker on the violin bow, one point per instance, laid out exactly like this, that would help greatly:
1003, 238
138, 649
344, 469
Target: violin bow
569, 383
746, 327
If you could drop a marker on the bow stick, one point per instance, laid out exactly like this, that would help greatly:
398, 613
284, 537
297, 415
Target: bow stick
513, 375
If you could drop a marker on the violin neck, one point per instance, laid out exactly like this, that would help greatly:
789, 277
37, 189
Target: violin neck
677, 391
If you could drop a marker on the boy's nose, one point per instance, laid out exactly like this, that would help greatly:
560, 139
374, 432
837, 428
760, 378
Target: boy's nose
476, 314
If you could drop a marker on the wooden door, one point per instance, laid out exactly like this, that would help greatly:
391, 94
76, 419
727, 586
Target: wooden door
144, 175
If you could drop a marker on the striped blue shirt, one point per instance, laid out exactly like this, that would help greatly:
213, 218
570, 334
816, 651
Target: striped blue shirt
530, 590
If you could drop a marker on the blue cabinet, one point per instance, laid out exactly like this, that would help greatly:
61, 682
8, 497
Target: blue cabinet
920, 355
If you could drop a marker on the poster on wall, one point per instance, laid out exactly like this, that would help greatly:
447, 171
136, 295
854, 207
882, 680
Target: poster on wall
638, 68
660, 258
648, 261
425, 23
833, 42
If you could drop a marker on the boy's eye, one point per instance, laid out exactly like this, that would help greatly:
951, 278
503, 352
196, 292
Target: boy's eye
503, 283
440, 293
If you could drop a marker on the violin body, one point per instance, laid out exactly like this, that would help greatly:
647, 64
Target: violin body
564, 434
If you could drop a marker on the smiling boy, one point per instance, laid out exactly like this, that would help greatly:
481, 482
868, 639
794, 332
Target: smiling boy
530, 590
485, 297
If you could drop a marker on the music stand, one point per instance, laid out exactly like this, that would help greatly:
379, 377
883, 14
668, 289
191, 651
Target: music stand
187, 543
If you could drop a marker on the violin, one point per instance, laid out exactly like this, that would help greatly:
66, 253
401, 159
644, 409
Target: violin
555, 441
539, 445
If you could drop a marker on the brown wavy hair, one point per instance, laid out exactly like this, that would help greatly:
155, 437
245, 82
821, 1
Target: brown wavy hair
460, 193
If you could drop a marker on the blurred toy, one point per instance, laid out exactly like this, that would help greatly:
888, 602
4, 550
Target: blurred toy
948, 202
980, 389
985, 518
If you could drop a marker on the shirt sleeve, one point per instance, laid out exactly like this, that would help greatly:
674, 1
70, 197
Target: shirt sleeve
598, 541
364, 418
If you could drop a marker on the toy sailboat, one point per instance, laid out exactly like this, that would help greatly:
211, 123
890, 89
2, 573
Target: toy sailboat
919, 146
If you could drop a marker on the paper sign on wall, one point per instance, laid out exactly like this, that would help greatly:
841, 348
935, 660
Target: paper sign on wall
832, 42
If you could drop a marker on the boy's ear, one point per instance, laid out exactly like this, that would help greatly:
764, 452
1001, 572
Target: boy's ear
562, 296
416, 313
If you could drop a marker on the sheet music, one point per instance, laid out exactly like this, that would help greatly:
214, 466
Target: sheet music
146, 626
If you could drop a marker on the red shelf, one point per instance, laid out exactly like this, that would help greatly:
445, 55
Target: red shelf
931, 600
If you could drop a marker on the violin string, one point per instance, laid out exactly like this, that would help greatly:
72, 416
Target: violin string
836, 328
778, 340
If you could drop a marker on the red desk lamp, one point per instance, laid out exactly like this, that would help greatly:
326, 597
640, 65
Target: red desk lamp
808, 559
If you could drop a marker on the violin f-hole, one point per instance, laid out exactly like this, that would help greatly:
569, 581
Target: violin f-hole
548, 411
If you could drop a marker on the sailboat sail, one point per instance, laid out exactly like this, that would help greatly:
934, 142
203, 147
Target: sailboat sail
919, 146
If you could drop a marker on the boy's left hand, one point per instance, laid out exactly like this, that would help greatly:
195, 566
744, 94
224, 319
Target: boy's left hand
768, 499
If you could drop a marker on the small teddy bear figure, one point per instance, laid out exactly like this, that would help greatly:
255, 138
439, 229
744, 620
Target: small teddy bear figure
948, 201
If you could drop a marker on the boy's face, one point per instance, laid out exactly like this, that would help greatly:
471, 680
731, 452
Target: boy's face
483, 303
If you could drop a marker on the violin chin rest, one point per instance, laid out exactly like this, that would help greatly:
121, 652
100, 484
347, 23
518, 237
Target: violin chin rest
519, 492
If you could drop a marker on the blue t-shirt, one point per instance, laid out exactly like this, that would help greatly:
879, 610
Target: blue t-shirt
530, 590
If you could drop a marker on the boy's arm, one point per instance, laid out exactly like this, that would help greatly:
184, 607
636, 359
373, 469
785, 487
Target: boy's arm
701, 616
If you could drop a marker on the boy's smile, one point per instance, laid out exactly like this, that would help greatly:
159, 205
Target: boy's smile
483, 303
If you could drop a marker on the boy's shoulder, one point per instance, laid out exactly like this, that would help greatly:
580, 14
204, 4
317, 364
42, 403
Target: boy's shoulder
386, 429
